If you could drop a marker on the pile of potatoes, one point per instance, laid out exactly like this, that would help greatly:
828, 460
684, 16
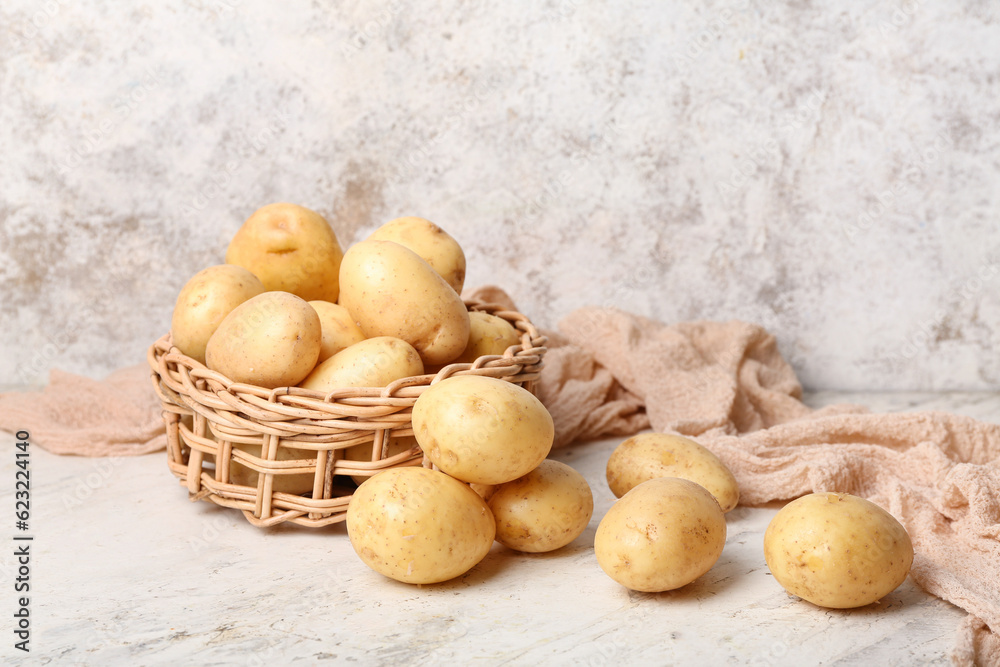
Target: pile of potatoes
668, 528
489, 440
290, 308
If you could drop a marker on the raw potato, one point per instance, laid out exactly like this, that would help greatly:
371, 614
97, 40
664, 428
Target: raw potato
418, 525
291, 249
661, 535
339, 328
544, 510
482, 430
374, 362
390, 291
651, 455
363, 452
298, 483
837, 550
485, 491
432, 243
271, 340
204, 302
488, 334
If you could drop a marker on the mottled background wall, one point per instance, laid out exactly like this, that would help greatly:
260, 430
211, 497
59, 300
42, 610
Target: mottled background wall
828, 171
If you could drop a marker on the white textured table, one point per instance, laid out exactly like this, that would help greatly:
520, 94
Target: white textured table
124, 570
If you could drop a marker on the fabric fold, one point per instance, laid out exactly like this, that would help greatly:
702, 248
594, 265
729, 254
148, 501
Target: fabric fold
117, 416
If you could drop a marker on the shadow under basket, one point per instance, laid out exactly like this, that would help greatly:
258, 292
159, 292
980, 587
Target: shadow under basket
297, 455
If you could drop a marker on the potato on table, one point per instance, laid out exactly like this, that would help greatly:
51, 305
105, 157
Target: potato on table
542, 511
419, 526
837, 550
661, 535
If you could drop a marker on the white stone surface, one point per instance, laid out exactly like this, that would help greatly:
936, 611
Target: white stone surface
126, 571
826, 170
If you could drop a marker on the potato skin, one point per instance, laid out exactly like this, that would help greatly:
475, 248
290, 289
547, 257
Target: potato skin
390, 291
488, 335
485, 491
338, 327
544, 510
837, 550
291, 249
271, 340
432, 243
204, 302
482, 430
419, 526
650, 455
661, 535
374, 362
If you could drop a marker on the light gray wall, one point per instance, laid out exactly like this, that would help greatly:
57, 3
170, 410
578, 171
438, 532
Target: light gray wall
828, 171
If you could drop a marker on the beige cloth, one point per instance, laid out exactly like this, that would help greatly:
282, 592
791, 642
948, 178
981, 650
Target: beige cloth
611, 373
119, 416
727, 385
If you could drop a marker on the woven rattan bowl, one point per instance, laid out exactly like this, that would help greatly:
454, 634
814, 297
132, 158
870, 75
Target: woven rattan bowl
276, 436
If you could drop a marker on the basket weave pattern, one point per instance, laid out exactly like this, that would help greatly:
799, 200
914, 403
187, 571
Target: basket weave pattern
205, 414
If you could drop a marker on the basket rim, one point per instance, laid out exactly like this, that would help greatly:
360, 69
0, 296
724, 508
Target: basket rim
400, 393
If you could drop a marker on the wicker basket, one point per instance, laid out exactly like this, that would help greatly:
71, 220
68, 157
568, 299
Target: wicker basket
206, 414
